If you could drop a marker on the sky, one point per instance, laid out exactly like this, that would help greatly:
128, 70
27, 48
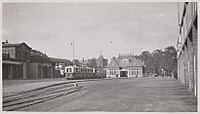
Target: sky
106, 28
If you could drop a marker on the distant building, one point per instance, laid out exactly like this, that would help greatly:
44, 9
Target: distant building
101, 62
125, 66
60, 64
187, 45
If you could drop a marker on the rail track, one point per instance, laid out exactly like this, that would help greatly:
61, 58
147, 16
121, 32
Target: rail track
14, 101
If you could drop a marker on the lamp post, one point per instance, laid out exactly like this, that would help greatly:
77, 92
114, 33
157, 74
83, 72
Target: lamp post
162, 72
73, 53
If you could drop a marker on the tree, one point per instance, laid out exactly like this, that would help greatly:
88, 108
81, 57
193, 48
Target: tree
76, 62
158, 60
146, 56
93, 63
171, 60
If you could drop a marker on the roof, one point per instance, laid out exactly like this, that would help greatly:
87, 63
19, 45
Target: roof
14, 45
130, 61
41, 59
59, 60
113, 64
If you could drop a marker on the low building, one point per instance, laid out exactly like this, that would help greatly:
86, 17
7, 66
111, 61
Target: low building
60, 65
125, 66
40, 65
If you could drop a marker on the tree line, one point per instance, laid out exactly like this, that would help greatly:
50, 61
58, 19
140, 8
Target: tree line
160, 59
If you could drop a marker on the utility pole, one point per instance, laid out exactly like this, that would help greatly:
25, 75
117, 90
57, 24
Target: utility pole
73, 52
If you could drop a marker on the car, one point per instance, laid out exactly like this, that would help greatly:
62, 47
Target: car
155, 74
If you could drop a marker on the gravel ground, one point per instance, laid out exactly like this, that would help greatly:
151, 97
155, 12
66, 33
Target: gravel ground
10, 83
125, 95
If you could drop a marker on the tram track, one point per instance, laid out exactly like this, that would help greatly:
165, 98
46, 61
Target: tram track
30, 97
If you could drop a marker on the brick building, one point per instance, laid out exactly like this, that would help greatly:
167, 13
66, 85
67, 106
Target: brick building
187, 45
125, 66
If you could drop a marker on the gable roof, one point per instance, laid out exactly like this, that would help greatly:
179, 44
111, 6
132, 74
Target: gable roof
113, 64
131, 61
14, 45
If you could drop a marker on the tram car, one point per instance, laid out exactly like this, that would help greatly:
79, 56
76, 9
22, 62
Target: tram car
77, 72
100, 73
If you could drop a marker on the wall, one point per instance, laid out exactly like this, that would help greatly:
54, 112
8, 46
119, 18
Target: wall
187, 57
135, 72
10, 50
33, 72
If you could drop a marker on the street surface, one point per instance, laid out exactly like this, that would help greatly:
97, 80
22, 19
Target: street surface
160, 94
10, 83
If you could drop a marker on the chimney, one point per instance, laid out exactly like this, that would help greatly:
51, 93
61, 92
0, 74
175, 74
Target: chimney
114, 58
6, 41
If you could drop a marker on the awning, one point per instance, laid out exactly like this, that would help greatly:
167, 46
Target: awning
11, 62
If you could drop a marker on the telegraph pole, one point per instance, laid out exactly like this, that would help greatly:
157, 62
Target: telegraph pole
73, 52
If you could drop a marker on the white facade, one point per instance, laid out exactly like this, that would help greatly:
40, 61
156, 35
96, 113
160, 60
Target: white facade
130, 72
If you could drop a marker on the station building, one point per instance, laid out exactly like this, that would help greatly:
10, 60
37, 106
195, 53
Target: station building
187, 45
125, 66
16, 59
19, 61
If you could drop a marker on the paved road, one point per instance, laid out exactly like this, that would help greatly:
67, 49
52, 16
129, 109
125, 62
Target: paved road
125, 95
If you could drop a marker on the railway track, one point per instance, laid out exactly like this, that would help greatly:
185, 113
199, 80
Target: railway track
14, 101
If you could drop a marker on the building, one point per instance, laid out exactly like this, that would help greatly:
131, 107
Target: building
101, 62
16, 59
40, 65
125, 66
187, 45
21, 62
60, 64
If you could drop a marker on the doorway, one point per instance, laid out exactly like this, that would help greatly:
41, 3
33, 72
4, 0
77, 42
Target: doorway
123, 73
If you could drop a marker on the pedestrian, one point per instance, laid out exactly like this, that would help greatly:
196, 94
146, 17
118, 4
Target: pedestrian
76, 85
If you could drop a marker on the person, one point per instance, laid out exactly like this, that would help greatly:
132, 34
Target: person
76, 85
172, 74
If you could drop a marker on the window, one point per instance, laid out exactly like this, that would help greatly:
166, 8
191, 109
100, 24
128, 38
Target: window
132, 72
114, 72
124, 61
21, 55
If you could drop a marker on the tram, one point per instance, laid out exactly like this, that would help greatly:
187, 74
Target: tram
77, 72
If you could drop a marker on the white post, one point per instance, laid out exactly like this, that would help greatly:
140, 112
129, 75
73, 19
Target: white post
195, 78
